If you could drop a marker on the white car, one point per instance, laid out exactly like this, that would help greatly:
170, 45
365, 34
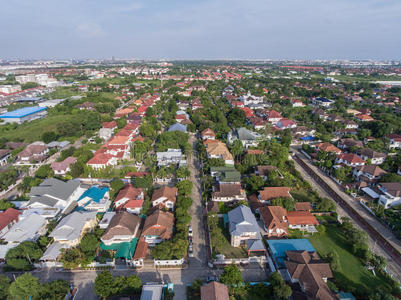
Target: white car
190, 251
190, 231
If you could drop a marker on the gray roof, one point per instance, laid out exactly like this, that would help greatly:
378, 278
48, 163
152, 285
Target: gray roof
178, 127
53, 188
53, 251
70, 227
255, 245
25, 229
246, 134
241, 219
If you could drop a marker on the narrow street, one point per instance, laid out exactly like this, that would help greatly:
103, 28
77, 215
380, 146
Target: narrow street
196, 211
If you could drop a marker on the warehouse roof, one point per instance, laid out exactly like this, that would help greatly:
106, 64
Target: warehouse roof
23, 112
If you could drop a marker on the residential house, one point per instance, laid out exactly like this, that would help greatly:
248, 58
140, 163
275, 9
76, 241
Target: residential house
105, 133
370, 174
226, 175
228, 192
208, 134
322, 102
178, 127
350, 159
101, 161
274, 220
376, 158
297, 103
214, 291
364, 118
196, 104
391, 193
270, 193
35, 152
110, 125
302, 220
303, 206
350, 124
53, 196
395, 141
7, 219
219, 150
247, 137
165, 197
70, 230
28, 228
158, 227
130, 199
95, 198
348, 143
264, 171
123, 228
242, 226
311, 273
61, 168
171, 156
286, 124
250, 99
5, 154
327, 147
273, 116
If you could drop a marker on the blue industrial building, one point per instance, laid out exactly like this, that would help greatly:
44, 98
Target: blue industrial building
24, 114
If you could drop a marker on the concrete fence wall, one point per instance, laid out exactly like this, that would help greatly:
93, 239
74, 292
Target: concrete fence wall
177, 262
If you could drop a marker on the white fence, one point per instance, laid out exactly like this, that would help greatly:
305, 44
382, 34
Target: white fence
238, 261
177, 262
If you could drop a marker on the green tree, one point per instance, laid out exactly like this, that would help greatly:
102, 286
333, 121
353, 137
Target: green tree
89, 244
25, 286
133, 285
390, 177
44, 171
71, 258
77, 169
334, 260
254, 183
278, 289
4, 286
49, 136
236, 118
104, 284
231, 275
23, 256
55, 290
184, 187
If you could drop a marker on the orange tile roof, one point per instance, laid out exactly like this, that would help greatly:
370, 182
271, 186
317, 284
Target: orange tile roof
301, 218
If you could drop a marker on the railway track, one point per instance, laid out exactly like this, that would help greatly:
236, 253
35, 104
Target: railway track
374, 234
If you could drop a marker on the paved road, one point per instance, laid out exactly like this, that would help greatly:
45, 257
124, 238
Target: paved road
84, 280
393, 267
196, 211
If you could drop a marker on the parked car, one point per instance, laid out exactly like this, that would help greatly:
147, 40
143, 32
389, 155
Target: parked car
212, 278
190, 231
190, 239
190, 251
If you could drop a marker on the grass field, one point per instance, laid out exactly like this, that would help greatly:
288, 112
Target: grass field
351, 273
32, 131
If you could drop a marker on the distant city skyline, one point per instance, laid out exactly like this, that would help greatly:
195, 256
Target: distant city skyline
204, 29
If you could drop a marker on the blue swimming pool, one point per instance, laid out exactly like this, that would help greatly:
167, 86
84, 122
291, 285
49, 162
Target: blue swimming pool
95, 193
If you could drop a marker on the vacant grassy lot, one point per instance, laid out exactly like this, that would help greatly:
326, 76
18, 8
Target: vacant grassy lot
32, 131
352, 275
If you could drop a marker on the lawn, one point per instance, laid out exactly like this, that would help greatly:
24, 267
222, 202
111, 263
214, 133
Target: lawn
32, 131
351, 274
228, 250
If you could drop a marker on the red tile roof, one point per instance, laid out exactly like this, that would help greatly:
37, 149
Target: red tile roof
301, 218
8, 216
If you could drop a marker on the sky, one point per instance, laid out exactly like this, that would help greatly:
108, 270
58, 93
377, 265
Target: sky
201, 29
